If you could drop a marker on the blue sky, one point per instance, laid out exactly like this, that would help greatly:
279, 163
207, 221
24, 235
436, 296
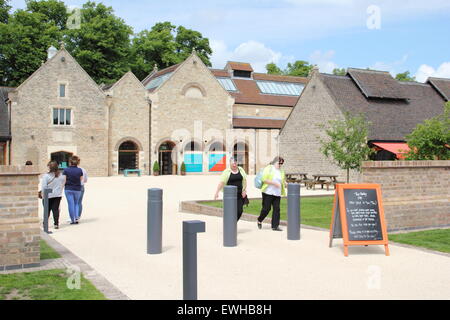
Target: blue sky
386, 35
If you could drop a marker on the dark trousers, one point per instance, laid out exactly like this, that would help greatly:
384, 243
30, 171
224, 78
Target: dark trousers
53, 206
240, 206
270, 202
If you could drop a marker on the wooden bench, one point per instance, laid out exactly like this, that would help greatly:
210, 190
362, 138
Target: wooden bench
127, 171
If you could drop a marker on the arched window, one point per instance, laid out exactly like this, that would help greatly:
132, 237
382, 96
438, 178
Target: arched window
192, 147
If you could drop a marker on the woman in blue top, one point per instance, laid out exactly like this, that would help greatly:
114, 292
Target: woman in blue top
74, 176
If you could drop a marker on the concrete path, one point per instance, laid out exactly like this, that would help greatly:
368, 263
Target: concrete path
112, 239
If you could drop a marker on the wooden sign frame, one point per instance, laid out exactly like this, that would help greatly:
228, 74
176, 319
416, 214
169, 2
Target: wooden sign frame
339, 226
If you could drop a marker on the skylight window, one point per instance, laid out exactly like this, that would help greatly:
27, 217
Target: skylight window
228, 84
280, 88
155, 83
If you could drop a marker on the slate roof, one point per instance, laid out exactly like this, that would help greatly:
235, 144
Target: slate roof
392, 119
442, 86
239, 66
4, 115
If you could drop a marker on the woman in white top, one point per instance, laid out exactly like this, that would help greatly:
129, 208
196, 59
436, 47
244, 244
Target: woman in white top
54, 180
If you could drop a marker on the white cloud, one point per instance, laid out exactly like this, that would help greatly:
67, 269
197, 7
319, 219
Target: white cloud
426, 71
394, 67
323, 60
256, 53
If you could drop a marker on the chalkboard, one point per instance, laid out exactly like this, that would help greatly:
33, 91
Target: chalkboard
358, 216
363, 215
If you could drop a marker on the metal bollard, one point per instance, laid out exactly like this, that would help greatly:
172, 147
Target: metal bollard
294, 215
190, 230
230, 216
45, 194
154, 221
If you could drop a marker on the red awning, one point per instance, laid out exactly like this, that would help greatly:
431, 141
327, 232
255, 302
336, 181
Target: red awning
399, 149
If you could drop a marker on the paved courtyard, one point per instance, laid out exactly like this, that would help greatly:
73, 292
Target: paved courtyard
112, 240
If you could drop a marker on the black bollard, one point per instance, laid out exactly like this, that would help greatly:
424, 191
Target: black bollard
45, 194
294, 212
230, 216
190, 230
154, 221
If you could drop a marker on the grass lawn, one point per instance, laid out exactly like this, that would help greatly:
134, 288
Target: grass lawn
317, 212
438, 240
314, 211
45, 285
47, 252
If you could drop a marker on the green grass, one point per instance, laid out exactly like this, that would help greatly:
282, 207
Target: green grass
438, 240
48, 252
45, 285
317, 212
314, 211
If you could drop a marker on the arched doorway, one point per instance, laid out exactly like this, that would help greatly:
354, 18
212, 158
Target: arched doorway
217, 158
62, 157
241, 153
166, 160
128, 156
193, 157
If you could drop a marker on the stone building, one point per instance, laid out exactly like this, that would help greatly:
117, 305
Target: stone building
186, 113
393, 108
5, 132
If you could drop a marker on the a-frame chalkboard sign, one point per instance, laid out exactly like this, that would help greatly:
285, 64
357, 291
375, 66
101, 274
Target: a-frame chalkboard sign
358, 216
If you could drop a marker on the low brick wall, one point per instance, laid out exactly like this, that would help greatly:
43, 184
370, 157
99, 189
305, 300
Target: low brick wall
19, 220
416, 194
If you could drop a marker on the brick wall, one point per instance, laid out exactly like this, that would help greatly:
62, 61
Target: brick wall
19, 220
416, 194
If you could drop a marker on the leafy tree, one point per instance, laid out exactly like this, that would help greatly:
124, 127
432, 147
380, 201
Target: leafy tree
340, 72
347, 145
405, 76
273, 69
298, 68
166, 45
431, 139
24, 41
4, 11
101, 44
55, 11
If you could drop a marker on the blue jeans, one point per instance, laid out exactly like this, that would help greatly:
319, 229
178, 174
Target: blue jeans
80, 202
73, 200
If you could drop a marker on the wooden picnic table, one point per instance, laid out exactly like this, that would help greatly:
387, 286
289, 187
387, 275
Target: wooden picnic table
325, 180
290, 177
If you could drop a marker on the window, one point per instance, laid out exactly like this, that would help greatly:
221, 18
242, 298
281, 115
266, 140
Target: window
242, 74
2, 153
281, 88
62, 117
155, 83
62, 90
228, 84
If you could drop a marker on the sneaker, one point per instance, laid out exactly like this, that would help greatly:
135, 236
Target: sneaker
259, 225
56, 227
277, 229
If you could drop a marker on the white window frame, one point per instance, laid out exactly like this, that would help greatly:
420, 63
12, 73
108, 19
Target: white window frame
65, 117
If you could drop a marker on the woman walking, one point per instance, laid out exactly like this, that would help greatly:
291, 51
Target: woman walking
74, 176
274, 187
53, 180
234, 176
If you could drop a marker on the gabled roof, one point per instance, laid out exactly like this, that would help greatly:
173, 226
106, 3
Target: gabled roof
391, 119
442, 85
4, 113
377, 84
127, 74
239, 66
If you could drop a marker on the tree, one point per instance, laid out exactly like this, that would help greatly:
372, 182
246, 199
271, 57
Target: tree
4, 11
273, 69
347, 145
298, 68
340, 72
405, 76
55, 11
24, 41
101, 44
166, 45
431, 139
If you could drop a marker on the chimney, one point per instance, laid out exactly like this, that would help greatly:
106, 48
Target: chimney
51, 52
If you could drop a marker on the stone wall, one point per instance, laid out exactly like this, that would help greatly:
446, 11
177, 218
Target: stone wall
416, 194
19, 220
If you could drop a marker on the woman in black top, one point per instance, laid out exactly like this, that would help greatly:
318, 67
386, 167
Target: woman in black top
235, 176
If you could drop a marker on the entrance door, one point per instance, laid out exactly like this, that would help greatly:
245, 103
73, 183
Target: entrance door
62, 158
166, 163
128, 156
241, 154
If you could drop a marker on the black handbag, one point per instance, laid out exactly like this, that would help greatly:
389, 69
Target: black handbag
246, 201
